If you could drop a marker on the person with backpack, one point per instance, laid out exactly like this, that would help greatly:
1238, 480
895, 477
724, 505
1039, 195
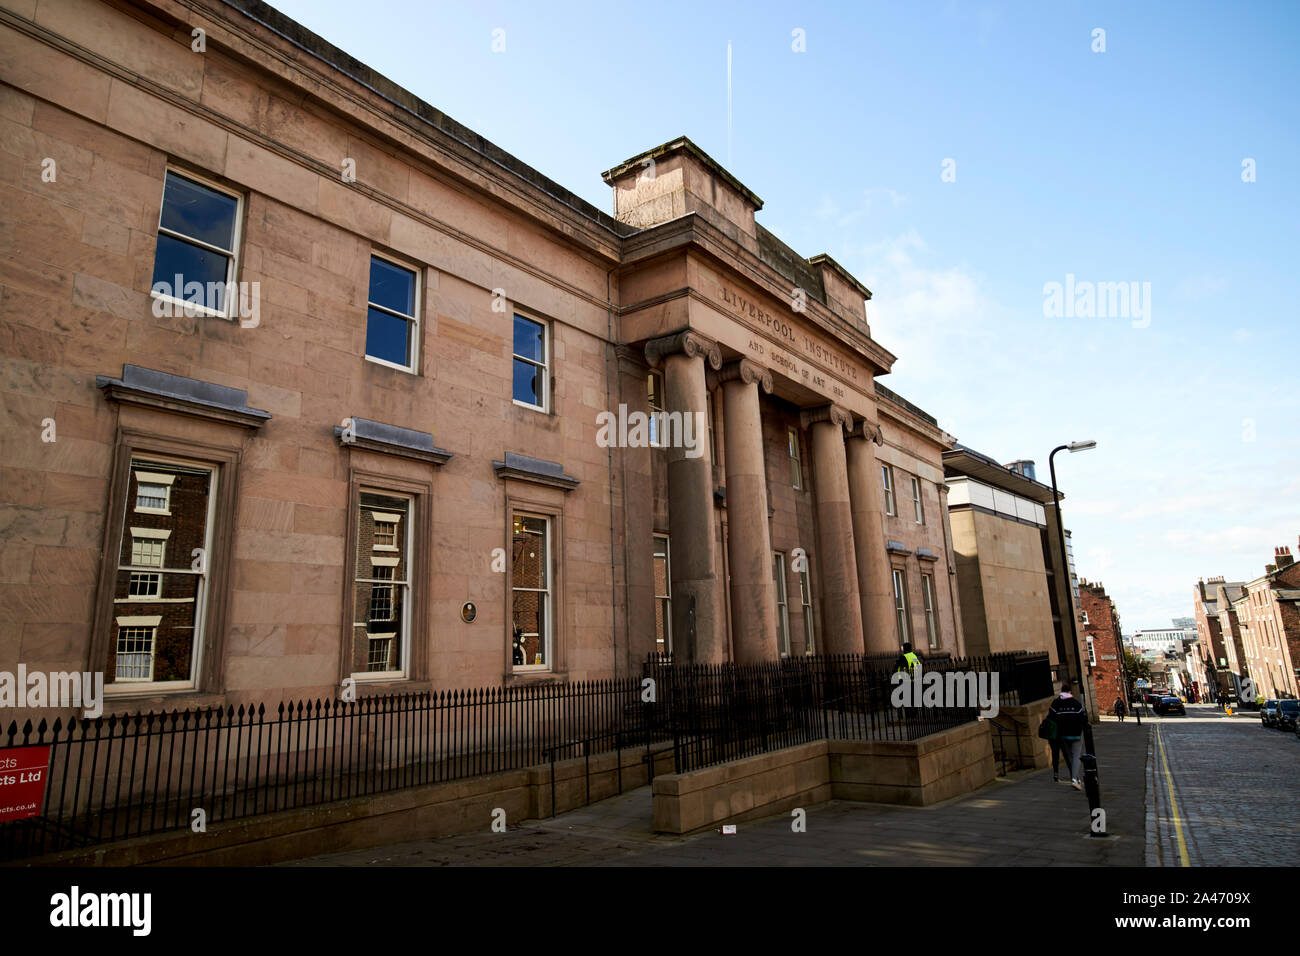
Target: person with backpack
1068, 715
1121, 709
1048, 731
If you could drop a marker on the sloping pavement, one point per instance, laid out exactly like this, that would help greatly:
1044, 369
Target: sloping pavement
1024, 819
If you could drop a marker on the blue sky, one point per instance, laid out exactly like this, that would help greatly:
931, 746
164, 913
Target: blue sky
1115, 166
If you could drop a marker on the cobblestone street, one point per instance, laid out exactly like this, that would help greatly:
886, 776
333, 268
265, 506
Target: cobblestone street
1234, 791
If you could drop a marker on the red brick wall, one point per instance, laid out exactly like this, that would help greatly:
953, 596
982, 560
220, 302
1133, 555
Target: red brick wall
1103, 628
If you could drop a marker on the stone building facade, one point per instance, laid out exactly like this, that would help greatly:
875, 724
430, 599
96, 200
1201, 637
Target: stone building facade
999, 530
918, 537
1018, 591
403, 369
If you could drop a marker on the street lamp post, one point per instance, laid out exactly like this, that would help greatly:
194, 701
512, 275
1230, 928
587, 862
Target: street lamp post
1072, 447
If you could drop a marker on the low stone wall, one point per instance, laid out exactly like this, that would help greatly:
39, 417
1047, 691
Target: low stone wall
915, 773
1021, 738
742, 789
432, 810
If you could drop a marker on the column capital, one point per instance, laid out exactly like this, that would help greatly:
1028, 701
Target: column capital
835, 414
687, 342
866, 429
744, 370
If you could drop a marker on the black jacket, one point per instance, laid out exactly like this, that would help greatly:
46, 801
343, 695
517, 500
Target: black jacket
1070, 717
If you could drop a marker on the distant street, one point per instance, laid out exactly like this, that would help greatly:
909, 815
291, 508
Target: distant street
1234, 791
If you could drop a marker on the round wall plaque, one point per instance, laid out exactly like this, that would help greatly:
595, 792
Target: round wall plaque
468, 612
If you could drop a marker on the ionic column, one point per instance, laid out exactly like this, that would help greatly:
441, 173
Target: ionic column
698, 626
749, 543
637, 523
875, 586
841, 610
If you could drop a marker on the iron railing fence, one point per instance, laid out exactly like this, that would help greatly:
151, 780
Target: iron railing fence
119, 777
724, 712
127, 776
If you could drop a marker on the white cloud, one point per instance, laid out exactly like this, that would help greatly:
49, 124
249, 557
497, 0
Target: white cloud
922, 313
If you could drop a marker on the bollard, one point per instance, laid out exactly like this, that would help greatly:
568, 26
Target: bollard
1092, 788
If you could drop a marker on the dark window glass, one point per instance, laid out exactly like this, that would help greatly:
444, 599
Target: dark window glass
192, 263
392, 287
528, 382
528, 340
387, 337
201, 213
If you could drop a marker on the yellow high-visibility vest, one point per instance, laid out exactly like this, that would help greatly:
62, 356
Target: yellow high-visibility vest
912, 660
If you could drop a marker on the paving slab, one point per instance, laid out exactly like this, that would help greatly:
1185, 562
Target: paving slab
1022, 819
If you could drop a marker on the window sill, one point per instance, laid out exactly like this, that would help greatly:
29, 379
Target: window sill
145, 701
188, 309
529, 678
390, 686
408, 369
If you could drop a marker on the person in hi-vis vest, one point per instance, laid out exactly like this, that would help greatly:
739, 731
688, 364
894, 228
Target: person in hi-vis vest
907, 660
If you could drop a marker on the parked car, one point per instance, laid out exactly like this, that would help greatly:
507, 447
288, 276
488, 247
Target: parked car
1268, 713
1288, 714
1171, 705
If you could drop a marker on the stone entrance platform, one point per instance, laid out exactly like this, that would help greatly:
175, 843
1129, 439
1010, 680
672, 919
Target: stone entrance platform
914, 772
1022, 819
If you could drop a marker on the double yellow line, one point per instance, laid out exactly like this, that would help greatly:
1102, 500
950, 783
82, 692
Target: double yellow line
1173, 802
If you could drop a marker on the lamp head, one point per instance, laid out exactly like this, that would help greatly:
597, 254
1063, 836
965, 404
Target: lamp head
1080, 446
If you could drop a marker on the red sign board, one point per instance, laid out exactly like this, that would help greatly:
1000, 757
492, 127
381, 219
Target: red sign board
23, 771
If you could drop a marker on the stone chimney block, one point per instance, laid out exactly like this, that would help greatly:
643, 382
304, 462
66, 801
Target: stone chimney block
678, 178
